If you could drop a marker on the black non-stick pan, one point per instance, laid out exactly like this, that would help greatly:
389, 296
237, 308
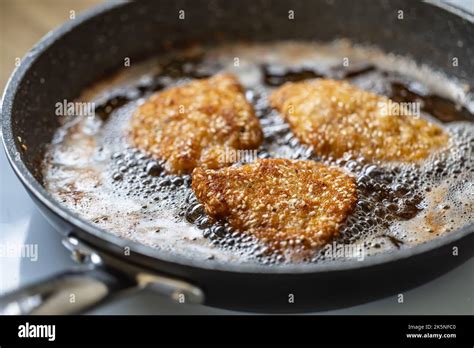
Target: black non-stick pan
93, 45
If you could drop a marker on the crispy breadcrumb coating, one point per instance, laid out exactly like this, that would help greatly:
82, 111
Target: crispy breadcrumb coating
281, 202
335, 118
194, 124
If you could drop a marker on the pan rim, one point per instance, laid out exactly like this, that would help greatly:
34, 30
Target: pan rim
141, 250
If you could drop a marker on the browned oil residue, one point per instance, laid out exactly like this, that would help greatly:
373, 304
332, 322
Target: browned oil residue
443, 109
275, 76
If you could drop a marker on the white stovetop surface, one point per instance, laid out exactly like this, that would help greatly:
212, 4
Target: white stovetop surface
22, 223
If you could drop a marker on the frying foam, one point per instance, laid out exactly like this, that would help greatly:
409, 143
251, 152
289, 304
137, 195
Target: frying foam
91, 168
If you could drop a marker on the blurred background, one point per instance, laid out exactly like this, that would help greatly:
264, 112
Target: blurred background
24, 22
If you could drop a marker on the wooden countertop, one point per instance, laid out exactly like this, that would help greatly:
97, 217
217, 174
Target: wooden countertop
24, 22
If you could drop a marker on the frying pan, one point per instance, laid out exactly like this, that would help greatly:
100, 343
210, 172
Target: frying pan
93, 45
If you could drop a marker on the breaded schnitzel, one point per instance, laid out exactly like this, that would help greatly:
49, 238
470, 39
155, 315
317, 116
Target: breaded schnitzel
194, 124
281, 202
335, 118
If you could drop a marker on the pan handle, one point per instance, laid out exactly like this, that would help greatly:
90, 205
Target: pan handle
100, 279
71, 292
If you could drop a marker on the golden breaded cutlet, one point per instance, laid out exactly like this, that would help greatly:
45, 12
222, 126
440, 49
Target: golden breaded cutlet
194, 124
284, 203
335, 118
